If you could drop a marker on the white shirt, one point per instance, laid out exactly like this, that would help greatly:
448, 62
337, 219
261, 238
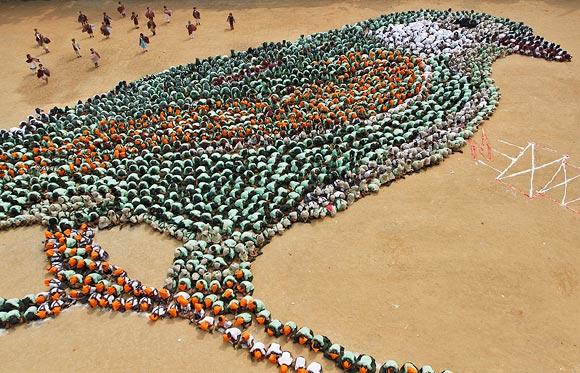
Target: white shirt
314, 367
226, 325
260, 347
233, 334
248, 343
285, 359
274, 348
207, 319
300, 363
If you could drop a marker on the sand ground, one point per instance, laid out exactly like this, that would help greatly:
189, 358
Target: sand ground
447, 267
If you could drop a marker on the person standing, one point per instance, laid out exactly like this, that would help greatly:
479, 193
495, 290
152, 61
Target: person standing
121, 9
167, 13
190, 29
82, 18
95, 57
77, 48
231, 20
196, 16
151, 25
135, 19
42, 73
144, 42
31, 61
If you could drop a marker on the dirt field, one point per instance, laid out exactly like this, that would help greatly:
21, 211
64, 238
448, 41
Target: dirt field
448, 267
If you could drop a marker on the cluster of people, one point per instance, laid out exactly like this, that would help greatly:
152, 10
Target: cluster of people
42, 40
106, 29
37, 68
106, 25
226, 152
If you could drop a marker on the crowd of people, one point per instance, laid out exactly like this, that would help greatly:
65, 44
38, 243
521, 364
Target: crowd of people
106, 29
226, 152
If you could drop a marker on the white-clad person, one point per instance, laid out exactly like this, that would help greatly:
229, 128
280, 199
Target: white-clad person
285, 361
95, 57
167, 13
76, 47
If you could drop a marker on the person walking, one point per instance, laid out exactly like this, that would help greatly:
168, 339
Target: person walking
135, 19
231, 20
196, 16
190, 29
144, 42
151, 26
89, 29
76, 47
121, 9
95, 57
42, 73
31, 62
42, 40
105, 30
167, 13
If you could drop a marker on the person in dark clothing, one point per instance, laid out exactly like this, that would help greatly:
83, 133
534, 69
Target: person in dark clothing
135, 19
151, 25
196, 16
82, 18
121, 9
231, 20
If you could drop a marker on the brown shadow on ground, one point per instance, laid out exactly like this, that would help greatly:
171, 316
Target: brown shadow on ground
107, 341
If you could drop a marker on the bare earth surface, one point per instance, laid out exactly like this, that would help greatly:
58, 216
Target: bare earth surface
448, 267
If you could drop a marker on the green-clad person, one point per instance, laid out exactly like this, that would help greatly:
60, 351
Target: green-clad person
215, 287
30, 313
256, 306
13, 317
234, 306
408, 367
263, 317
389, 366
184, 284
274, 328
243, 320
366, 364
334, 352
201, 285
245, 288
217, 307
303, 336
320, 343
289, 329
347, 361
4, 320
209, 301
245, 302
